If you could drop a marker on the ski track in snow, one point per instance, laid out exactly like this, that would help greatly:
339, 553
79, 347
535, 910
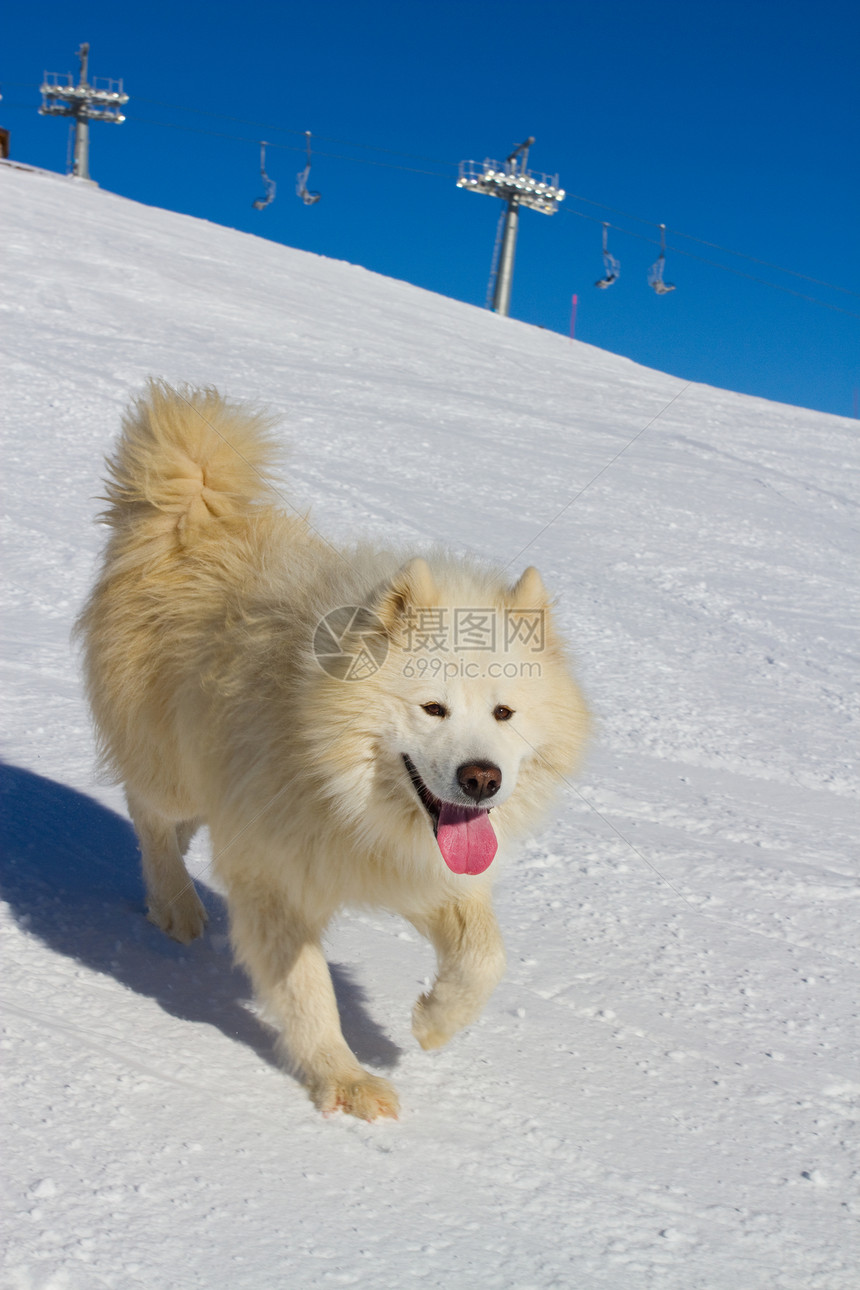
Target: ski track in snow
664, 1091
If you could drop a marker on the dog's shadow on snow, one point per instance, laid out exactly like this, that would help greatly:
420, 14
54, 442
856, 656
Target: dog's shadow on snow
70, 872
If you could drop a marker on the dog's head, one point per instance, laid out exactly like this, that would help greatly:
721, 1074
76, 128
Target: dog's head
486, 718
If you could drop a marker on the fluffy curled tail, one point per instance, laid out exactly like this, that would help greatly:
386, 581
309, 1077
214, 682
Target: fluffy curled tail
187, 457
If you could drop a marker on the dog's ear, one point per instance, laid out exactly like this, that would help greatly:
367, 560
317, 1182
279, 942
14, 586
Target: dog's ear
412, 587
529, 592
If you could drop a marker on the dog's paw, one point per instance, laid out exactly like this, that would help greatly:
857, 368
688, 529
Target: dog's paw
369, 1097
183, 919
431, 1024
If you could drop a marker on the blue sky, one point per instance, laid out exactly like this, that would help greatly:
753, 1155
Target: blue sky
735, 123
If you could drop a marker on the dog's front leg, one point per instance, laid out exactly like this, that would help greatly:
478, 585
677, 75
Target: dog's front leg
291, 977
471, 958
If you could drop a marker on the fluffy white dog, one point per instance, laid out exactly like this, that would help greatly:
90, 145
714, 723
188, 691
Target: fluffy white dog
354, 727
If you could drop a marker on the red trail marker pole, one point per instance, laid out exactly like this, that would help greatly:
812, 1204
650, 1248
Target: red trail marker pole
573, 305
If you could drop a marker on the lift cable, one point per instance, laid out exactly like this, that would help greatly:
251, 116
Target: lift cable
286, 147
742, 255
346, 143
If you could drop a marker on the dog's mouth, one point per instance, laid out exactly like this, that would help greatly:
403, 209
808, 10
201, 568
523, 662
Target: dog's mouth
464, 834
432, 805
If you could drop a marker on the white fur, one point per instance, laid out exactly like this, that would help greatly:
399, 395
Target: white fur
211, 706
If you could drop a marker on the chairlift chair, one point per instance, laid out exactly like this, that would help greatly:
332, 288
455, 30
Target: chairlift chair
307, 195
611, 267
268, 184
655, 273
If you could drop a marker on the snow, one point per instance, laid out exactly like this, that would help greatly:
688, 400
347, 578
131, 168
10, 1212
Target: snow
664, 1091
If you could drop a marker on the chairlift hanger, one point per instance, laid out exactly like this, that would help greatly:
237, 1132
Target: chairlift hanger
655, 273
268, 184
307, 195
611, 267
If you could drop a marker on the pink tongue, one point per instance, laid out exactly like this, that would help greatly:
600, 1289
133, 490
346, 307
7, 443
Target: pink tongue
466, 838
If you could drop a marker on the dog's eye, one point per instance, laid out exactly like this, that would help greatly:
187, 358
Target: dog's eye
502, 713
435, 709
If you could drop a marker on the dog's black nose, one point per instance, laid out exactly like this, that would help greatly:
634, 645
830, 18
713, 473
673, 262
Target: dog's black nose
479, 779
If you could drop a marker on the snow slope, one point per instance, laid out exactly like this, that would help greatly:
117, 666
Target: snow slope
664, 1091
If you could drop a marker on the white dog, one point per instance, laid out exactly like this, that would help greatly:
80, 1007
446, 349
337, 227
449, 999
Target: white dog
354, 728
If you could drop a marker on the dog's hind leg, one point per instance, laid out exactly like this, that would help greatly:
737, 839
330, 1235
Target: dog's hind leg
172, 903
291, 978
471, 958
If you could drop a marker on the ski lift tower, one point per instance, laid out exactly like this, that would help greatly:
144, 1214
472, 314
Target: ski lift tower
100, 101
516, 186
